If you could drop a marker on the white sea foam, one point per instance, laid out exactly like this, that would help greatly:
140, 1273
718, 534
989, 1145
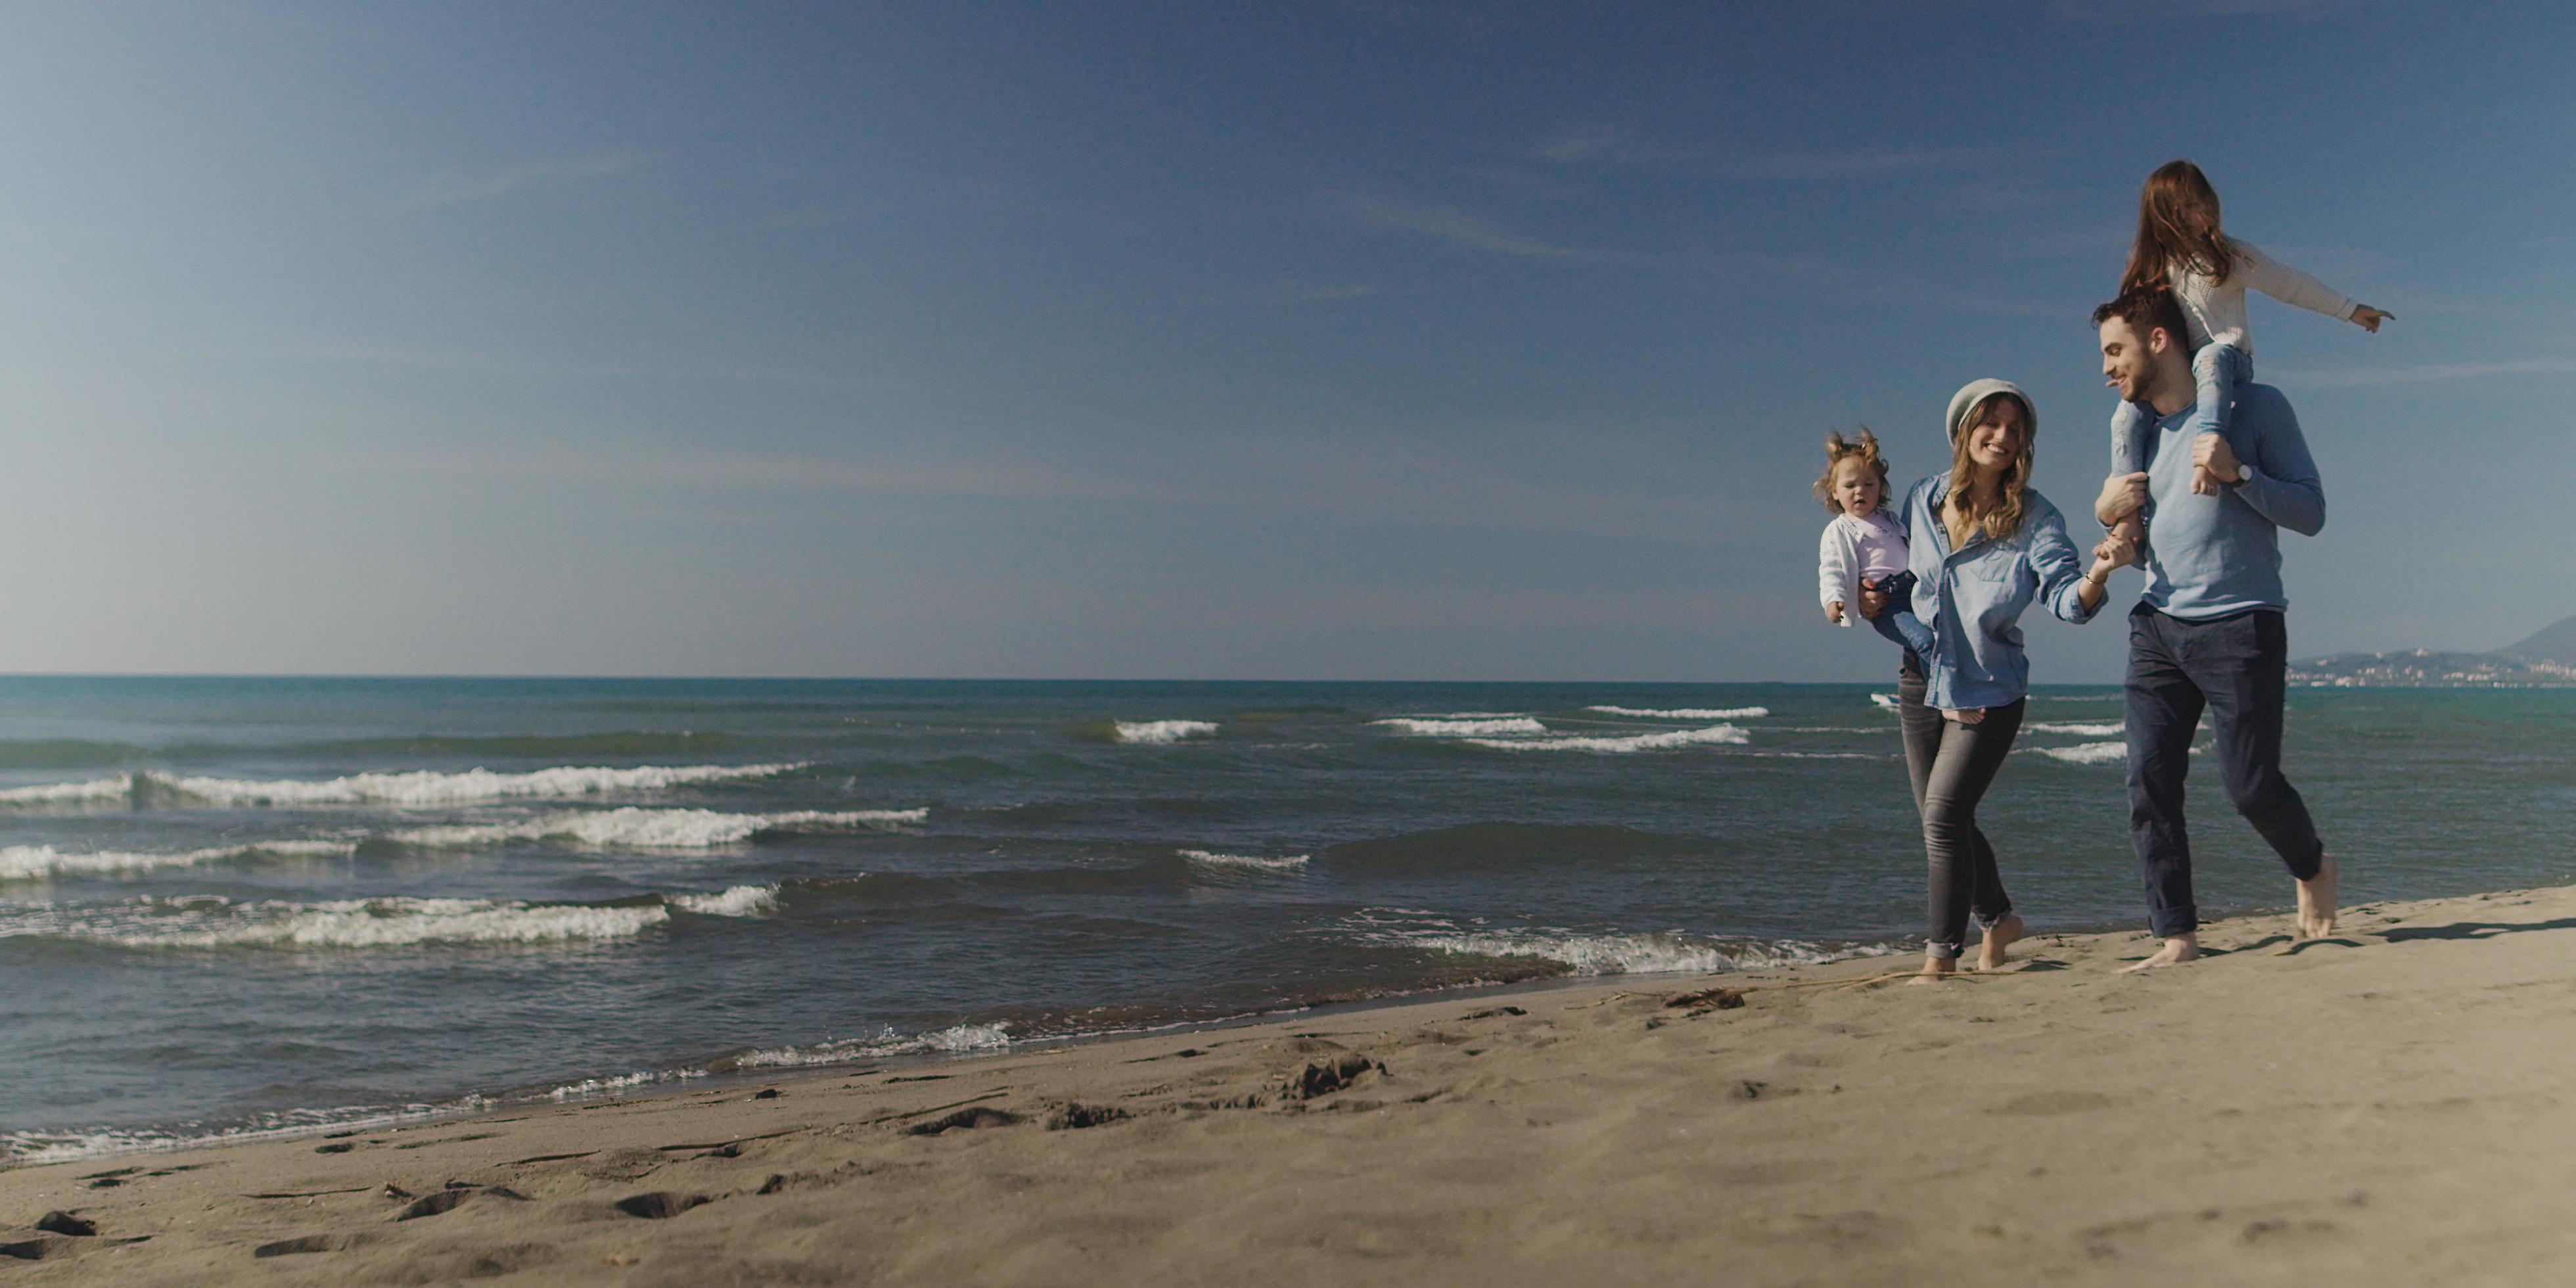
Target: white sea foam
418, 787
1885, 701
28, 1148
1725, 733
350, 923
1462, 726
1687, 713
1163, 731
428, 787
622, 1082
738, 901
2089, 753
2103, 730
20, 862
97, 789
1629, 954
1281, 863
668, 829
964, 1039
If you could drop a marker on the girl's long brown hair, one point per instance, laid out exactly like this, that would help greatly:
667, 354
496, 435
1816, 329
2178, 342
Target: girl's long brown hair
2001, 522
2177, 227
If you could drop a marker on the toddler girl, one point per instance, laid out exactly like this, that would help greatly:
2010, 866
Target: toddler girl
1863, 545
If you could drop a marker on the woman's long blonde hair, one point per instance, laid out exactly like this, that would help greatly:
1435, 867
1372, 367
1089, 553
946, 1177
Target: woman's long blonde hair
2003, 521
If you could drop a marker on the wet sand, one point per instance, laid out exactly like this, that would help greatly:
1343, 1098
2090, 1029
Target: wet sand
2397, 1105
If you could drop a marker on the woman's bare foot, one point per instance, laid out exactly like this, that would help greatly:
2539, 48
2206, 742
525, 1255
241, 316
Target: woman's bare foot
2177, 950
1935, 969
1970, 716
2317, 902
1999, 936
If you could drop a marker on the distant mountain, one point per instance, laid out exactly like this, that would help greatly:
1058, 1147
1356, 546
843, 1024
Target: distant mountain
2553, 644
2548, 657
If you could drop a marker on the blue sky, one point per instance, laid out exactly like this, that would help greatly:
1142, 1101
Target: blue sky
1401, 340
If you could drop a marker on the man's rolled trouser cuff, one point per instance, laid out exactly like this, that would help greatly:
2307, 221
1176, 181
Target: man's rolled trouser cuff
2172, 923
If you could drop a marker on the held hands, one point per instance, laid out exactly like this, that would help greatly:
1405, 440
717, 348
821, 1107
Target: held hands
1834, 612
2122, 495
2368, 318
2115, 552
1873, 599
2213, 463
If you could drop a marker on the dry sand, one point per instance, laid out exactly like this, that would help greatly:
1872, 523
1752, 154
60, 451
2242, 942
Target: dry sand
2396, 1106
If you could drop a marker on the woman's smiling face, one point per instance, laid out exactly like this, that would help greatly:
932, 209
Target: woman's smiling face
1997, 439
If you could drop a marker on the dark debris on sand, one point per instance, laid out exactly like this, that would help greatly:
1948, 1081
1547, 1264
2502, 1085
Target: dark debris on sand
1326, 1076
1073, 1117
967, 1119
65, 1223
660, 1205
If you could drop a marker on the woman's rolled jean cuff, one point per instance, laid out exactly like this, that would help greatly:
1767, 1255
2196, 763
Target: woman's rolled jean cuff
1953, 952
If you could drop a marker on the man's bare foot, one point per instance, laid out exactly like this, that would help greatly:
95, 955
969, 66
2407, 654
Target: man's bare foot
1935, 969
2317, 901
2177, 950
1970, 716
1999, 936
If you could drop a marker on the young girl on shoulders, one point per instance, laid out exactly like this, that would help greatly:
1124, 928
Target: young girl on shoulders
2180, 245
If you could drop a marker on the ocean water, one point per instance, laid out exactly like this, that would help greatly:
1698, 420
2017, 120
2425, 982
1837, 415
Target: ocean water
237, 906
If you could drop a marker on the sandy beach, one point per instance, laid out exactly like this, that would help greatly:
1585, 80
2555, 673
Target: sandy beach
2391, 1106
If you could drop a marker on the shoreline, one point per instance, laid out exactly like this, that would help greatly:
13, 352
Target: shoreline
705, 1076
2387, 1103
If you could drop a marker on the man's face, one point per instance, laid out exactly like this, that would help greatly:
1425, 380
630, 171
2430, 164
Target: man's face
2124, 359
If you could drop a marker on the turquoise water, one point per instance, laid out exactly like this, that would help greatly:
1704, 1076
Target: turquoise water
235, 906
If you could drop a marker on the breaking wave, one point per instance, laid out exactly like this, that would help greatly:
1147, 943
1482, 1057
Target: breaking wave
964, 1039
667, 829
429, 787
1462, 726
738, 901
1282, 863
2089, 730
2089, 753
118, 788
1687, 713
21, 862
1885, 701
418, 787
212, 922
1724, 733
1162, 731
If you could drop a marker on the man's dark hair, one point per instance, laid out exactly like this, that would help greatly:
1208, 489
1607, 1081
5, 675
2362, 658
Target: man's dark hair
2145, 309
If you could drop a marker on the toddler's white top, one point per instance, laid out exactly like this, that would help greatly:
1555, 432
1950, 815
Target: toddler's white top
1853, 551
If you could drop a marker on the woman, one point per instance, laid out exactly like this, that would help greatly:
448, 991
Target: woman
1982, 546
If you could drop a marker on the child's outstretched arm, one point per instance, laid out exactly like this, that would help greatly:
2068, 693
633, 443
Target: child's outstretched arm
2290, 286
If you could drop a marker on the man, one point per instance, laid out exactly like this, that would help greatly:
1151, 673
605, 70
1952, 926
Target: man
2209, 631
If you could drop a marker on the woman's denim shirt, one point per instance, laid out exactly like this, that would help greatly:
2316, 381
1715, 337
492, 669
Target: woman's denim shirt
1971, 599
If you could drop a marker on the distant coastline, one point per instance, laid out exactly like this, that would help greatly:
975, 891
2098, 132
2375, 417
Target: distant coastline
2545, 660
